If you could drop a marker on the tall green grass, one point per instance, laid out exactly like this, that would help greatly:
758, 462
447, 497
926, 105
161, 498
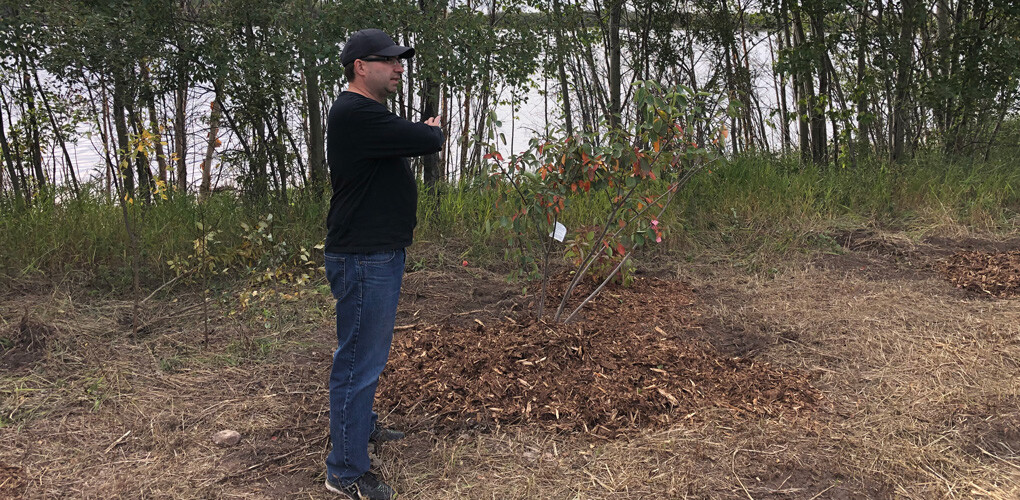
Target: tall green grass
754, 202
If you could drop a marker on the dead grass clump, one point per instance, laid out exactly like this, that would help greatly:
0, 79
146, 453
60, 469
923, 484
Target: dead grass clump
12, 481
867, 240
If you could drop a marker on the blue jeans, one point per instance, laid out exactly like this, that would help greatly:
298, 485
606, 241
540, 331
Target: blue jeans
366, 288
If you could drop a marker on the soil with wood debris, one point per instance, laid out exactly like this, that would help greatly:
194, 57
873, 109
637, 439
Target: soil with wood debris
996, 274
633, 362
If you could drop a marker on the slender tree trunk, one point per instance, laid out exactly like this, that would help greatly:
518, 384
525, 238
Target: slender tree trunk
180, 128
140, 158
157, 135
904, 73
863, 129
316, 136
5, 148
430, 106
476, 155
780, 83
561, 69
615, 16
60, 137
207, 164
123, 145
802, 93
35, 139
819, 139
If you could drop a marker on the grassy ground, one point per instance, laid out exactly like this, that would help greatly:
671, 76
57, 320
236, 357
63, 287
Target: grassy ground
830, 273
920, 384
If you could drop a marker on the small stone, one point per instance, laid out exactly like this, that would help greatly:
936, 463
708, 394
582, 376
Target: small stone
227, 437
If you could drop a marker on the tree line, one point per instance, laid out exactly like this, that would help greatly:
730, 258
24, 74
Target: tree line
845, 80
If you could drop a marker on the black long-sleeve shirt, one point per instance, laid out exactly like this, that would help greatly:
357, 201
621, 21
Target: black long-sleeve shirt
375, 197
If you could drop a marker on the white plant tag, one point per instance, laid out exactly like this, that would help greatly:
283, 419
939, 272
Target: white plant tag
559, 232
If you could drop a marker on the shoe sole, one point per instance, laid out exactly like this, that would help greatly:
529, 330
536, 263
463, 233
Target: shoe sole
334, 489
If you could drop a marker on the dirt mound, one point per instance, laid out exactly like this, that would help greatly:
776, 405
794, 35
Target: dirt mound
633, 363
25, 342
996, 274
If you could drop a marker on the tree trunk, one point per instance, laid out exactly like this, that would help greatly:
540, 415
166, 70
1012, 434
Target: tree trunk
802, 91
35, 139
904, 72
5, 148
431, 174
123, 145
316, 136
60, 137
141, 159
615, 15
561, 64
819, 139
157, 135
180, 129
862, 142
205, 189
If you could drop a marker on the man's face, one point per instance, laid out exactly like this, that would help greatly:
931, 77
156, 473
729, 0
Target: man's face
382, 74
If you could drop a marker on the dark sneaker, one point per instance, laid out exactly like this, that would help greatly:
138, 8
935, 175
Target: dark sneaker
366, 487
383, 435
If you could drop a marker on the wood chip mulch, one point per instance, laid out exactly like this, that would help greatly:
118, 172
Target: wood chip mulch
995, 274
632, 363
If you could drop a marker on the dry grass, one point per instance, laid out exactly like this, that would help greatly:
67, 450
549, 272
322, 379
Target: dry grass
922, 386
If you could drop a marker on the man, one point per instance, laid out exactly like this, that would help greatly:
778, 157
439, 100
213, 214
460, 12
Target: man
371, 220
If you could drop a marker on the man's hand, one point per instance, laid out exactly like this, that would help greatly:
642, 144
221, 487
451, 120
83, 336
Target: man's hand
433, 122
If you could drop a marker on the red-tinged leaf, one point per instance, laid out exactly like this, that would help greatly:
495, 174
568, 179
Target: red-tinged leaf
584, 157
499, 156
657, 146
652, 175
487, 156
622, 223
573, 187
620, 249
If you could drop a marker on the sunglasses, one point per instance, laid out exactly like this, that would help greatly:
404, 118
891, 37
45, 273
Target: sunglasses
392, 61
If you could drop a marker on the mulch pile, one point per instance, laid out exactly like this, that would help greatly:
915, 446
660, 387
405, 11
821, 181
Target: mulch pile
996, 274
632, 363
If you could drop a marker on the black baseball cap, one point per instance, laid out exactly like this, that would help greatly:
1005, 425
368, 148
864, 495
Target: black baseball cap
372, 42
